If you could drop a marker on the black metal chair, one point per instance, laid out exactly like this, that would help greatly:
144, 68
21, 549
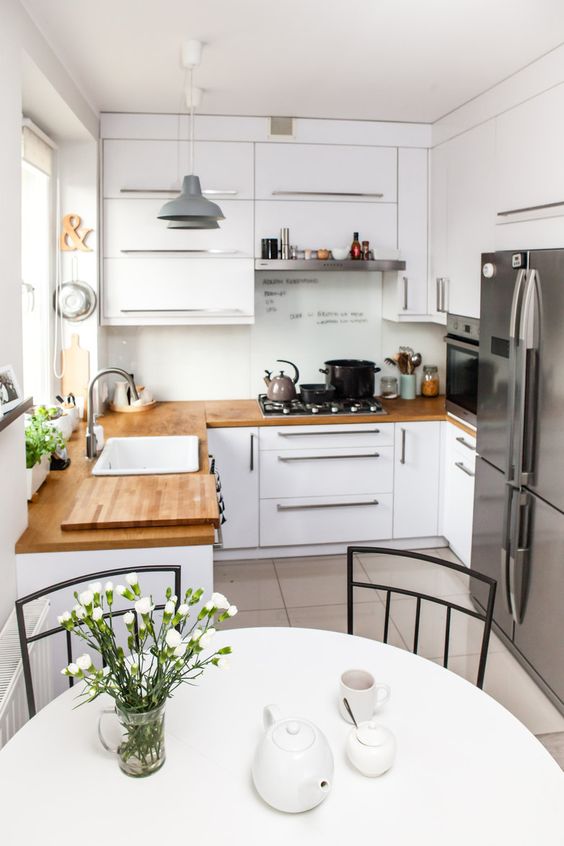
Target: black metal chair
26, 640
485, 617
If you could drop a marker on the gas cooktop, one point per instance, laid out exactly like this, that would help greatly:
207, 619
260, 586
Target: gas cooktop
297, 407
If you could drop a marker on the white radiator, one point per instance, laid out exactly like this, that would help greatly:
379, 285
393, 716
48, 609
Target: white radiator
13, 702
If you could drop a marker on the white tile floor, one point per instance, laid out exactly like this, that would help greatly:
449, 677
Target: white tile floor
311, 592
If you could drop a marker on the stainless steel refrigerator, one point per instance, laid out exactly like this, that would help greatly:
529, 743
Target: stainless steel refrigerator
518, 533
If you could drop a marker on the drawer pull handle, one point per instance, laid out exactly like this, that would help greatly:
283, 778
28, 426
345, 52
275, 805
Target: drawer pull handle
465, 443
326, 505
327, 194
219, 312
464, 469
403, 435
327, 457
199, 252
210, 191
336, 432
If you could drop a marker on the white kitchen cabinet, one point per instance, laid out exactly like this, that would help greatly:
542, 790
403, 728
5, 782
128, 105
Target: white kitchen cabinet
416, 479
157, 290
326, 224
458, 501
405, 293
437, 305
325, 437
132, 228
333, 171
237, 461
135, 168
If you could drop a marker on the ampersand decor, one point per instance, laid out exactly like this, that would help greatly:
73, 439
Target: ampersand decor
71, 237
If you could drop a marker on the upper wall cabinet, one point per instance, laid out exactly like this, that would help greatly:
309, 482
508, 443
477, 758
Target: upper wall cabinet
438, 241
336, 172
148, 168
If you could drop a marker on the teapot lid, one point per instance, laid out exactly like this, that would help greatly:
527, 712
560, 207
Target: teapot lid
293, 736
373, 734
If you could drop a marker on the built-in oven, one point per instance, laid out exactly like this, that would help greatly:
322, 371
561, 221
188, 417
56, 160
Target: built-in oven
462, 342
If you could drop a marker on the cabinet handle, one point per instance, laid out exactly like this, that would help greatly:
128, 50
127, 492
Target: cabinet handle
405, 291
211, 191
403, 435
438, 289
327, 457
464, 469
187, 252
252, 456
466, 444
325, 194
227, 312
326, 505
336, 432
531, 208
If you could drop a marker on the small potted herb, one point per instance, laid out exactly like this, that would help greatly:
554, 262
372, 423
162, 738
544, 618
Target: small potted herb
42, 439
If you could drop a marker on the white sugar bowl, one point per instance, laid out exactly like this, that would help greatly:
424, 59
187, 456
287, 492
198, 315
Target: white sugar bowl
371, 748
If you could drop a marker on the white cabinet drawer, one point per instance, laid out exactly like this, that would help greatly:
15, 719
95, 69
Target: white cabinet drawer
131, 227
316, 224
130, 166
459, 507
342, 519
325, 437
315, 472
334, 171
157, 291
461, 446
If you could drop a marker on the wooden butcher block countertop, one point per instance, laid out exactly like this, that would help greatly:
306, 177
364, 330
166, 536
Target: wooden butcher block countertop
56, 498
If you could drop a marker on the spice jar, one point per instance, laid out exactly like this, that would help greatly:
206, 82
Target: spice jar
430, 381
388, 387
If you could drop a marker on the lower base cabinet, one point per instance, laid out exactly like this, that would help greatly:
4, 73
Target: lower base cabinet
460, 460
417, 460
236, 452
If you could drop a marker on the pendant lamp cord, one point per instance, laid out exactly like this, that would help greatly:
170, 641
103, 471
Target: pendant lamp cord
191, 120
58, 323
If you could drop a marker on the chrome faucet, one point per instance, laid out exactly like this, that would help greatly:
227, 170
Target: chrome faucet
91, 446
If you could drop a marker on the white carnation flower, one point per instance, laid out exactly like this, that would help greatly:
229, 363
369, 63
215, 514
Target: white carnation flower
95, 587
169, 607
183, 610
108, 587
218, 600
72, 669
173, 638
84, 662
232, 610
180, 650
129, 618
224, 663
64, 618
86, 597
97, 615
121, 589
196, 635
206, 638
80, 612
131, 579
144, 605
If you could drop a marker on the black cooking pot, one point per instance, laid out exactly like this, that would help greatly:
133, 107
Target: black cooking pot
352, 378
317, 393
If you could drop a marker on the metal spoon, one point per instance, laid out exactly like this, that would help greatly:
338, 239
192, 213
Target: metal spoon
416, 360
348, 708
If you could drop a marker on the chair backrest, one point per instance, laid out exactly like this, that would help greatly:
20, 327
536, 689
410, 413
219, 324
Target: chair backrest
449, 604
26, 640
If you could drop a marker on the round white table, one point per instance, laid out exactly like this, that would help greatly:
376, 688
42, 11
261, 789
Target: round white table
466, 771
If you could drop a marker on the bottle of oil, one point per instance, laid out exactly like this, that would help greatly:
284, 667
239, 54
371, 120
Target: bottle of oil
356, 249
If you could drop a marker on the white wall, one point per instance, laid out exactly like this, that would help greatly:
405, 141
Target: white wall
17, 33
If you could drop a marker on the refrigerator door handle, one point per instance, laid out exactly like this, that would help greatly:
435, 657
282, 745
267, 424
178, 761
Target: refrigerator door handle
529, 331
519, 561
514, 406
506, 543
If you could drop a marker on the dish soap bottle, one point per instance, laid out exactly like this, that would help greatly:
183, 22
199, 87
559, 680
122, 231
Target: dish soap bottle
356, 249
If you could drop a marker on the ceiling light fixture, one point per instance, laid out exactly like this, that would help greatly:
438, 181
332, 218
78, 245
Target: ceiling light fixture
191, 210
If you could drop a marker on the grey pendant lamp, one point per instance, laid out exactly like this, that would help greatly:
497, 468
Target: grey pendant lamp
191, 210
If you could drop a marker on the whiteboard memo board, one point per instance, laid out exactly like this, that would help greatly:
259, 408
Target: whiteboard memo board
311, 317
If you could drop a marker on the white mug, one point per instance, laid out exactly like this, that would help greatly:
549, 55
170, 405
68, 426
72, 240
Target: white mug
363, 693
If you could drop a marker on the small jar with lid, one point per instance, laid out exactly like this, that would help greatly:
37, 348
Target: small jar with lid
430, 381
388, 387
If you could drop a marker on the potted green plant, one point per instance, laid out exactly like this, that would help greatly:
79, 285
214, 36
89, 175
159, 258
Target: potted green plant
42, 439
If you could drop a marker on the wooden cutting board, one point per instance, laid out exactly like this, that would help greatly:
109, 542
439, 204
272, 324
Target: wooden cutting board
76, 370
120, 502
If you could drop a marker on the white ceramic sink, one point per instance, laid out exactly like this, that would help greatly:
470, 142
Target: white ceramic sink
148, 456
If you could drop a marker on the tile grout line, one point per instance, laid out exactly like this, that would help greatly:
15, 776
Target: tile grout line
281, 592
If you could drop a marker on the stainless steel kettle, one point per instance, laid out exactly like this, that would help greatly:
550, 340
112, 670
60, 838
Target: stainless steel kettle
281, 388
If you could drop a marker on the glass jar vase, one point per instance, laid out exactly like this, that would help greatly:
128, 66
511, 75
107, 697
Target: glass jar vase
430, 381
388, 387
141, 750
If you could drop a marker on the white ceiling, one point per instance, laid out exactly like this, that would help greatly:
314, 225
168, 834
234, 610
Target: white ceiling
405, 60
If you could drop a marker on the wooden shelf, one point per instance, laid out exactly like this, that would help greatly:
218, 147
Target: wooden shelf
16, 412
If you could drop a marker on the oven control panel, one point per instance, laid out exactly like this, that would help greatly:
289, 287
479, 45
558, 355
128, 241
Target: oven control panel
467, 328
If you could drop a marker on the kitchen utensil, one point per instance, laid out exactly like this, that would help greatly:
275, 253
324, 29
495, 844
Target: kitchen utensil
350, 713
416, 360
74, 300
76, 371
269, 248
281, 388
352, 378
293, 764
340, 253
363, 694
371, 748
317, 393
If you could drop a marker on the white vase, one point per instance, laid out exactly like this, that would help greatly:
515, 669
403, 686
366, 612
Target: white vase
37, 475
120, 394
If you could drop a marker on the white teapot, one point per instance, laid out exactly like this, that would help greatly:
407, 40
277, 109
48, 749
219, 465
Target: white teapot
371, 748
293, 764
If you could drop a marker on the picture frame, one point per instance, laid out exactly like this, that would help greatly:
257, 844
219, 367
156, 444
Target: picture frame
10, 392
